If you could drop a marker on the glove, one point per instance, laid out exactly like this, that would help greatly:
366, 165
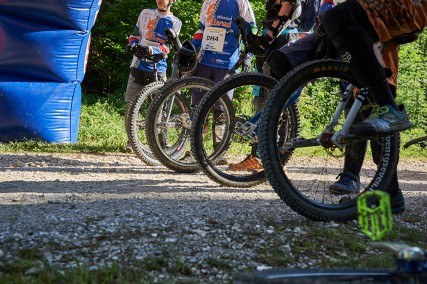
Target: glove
130, 47
260, 44
141, 51
246, 65
319, 30
322, 47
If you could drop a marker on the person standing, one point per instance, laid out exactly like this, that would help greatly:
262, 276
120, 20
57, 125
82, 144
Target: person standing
218, 41
354, 27
276, 57
148, 37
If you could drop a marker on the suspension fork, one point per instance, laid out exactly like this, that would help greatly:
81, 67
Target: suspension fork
167, 108
340, 138
174, 75
340, 109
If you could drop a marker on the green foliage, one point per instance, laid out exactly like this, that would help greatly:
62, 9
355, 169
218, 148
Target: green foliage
108, 65
412, 90
102, 124
412, 85
101, 129
320, 93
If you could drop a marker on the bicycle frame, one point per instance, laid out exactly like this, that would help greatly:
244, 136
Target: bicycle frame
340, 138
243, 28
175, 74
250, 127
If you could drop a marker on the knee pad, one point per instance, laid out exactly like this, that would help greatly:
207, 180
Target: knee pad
334, 24
346, 25
277, 64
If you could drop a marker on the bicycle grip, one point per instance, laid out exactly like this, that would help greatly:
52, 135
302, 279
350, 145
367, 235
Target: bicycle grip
241, 24
173, 39
244, 29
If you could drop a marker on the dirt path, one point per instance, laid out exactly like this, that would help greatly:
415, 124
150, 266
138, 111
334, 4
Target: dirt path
103, 209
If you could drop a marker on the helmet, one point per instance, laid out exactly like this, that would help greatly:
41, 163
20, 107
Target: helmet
187, 59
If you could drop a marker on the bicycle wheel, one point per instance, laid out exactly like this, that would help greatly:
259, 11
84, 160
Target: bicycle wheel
244, 139
303, 184
291, 276
169, 123
136, 115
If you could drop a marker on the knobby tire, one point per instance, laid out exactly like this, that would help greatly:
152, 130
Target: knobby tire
304, 185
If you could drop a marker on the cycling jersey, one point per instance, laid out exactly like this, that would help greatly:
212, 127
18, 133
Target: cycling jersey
218, 34
150, 31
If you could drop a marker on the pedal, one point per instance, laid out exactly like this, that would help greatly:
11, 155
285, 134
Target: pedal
246, 129
374, 209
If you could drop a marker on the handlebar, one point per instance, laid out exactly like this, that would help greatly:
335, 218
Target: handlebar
152, 57
173, 39
176, 44
246, 36
245, 31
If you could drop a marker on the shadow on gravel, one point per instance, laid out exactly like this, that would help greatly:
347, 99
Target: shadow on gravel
45, 163
120, 187
83, 191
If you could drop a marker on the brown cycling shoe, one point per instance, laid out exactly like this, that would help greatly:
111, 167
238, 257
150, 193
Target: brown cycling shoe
248, 164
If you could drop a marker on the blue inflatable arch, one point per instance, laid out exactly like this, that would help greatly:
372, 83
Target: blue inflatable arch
44, 46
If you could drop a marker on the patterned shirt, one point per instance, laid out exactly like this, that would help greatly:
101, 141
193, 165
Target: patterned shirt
150, 31
217, 18
390, 18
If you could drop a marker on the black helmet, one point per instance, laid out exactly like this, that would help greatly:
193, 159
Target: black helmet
187, 59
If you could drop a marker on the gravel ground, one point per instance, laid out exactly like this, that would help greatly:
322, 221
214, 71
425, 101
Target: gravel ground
111, 208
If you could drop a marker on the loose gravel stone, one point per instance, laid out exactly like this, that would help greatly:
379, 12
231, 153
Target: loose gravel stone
100, 209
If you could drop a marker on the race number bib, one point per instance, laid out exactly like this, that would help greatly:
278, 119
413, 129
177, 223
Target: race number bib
213, 39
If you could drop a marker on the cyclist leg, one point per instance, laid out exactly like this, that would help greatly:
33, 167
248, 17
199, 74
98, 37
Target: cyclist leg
197, 94
350, 30
136, 81
216, 75
396, 196
277, 64
218, 124
258, 94
283, 60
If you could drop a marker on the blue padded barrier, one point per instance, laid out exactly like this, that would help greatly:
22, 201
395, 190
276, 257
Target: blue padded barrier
39, 110
66, 14
41, 52
44, 48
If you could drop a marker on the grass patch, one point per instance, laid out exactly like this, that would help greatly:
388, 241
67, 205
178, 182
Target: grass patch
340, 246
219, 263
272, 255
101, 130
20, 273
